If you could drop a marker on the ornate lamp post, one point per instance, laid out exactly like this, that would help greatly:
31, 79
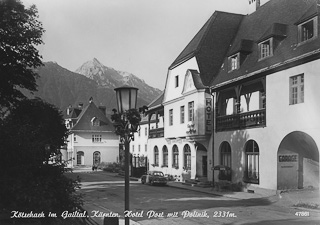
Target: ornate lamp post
126, 123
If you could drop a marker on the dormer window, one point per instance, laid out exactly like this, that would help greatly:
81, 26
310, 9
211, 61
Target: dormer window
95, 122
308, 30
234, 62
266, 48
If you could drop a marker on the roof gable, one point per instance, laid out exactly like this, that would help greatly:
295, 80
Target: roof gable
192, 81
90, 112
210, 44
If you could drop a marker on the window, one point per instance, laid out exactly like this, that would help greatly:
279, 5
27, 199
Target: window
165, 156
262, 100
175, 156
234, 62
252, 162
139, 148
225, 151
156, 156
177, 81
74, 138
132, 148
96, 158
225, 160
80, 158
308, 30
146, 131
145, 148
182, 114
170, 117
95, 122
266, 48
191, 111
96, 138
139, 133
187, 157
296, 89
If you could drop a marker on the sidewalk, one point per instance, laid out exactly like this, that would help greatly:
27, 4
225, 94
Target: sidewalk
229, 194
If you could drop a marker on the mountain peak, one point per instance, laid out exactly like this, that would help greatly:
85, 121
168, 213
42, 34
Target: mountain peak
96, 61
107, 77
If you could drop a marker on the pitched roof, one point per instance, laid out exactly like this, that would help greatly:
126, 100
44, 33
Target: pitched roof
282, 25
84, 122
156, 102
73, 113
210, 44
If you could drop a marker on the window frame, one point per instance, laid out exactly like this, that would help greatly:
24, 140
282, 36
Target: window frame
80, 154
269, 52
96, 138
156, 155
170, 117
296, 90
175, 156
301, 38
191, 111
176, 79
253, 151
187, 157
234, 62
165, 156
225, 154
182, 114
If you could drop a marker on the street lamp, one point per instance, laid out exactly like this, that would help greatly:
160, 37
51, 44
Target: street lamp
126, 123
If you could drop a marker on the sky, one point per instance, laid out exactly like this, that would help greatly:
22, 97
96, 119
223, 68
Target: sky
142, 37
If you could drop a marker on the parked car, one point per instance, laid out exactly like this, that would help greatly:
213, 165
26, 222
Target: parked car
154, 177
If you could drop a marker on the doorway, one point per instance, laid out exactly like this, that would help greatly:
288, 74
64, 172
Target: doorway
297, 162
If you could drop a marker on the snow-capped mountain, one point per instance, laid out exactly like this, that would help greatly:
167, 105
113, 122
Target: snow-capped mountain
110, 78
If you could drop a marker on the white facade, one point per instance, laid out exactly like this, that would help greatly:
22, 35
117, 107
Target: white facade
182, 151
81, 148
298, 122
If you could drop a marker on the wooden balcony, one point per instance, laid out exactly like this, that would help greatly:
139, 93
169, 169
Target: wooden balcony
241, 121
156, 133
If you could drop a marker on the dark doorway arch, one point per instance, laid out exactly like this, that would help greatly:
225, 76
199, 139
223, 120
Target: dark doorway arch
96, 158
297, 162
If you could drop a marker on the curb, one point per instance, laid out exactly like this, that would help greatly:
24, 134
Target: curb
197, 190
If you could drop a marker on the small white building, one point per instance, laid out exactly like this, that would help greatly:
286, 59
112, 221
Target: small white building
92, 139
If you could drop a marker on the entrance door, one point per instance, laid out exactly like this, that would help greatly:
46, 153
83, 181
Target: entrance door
204, 166
288, 168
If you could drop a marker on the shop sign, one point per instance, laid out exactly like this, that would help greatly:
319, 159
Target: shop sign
208, 115
288, 158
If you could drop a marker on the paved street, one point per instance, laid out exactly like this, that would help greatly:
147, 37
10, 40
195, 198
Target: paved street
104, 193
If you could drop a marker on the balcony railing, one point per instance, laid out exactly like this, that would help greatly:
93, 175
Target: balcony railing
156, 133
241, 121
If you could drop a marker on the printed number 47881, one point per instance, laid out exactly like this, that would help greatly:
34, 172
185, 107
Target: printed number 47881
302, 214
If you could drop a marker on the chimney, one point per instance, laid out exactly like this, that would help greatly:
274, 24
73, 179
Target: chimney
80, 105
257, 4
253, 5
103, 109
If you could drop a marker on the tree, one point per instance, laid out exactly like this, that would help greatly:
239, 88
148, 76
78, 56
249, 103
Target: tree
30, 135
20, 33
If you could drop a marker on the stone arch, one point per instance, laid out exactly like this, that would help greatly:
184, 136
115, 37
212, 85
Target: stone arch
297, 162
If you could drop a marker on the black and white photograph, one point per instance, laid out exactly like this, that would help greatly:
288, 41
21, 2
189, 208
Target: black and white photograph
149, 112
